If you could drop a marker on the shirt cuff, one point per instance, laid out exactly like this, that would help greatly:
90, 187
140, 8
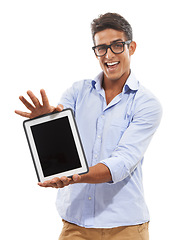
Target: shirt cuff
117, 169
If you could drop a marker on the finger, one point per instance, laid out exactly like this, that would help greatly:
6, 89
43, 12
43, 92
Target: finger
47, 184
44, 97
26, 103
59, 108
34, 98
76, 178
40, 184
51, 183
58, 182
65, 181
23, 114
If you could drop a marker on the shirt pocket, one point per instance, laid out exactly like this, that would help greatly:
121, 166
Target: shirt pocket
121, 123
116, 131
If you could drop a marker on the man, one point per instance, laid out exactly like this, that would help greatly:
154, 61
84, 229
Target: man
116, 118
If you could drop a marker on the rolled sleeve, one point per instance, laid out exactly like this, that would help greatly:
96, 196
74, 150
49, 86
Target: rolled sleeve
135, 140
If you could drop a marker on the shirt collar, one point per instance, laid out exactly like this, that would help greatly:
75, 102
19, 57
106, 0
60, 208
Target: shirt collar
131, 83
97, 82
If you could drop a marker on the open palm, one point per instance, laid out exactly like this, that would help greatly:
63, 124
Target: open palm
37, 109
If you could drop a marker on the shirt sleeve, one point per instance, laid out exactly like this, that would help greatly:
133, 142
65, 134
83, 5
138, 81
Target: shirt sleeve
135, 140
69, 97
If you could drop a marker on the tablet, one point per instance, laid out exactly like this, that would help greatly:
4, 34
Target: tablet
55, 145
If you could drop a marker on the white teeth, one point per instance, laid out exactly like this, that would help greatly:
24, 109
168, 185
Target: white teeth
113, 63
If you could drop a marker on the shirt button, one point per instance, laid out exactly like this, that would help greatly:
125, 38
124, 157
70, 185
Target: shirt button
89, 198
95, 155
99, 136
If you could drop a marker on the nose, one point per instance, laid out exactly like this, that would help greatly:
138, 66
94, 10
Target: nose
109, 54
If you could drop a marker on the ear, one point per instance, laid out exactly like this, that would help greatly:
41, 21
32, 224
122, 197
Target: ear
132, 48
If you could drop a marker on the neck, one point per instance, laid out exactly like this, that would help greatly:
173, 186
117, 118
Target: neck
113, 87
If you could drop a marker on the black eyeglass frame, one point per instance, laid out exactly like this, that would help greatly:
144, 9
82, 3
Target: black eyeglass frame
109, 46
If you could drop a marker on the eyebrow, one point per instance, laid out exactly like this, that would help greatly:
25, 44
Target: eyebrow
117, 40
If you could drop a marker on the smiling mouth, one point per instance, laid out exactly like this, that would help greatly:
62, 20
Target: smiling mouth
111, 65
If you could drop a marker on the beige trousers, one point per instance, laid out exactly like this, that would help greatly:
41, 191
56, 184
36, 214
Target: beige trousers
73, 232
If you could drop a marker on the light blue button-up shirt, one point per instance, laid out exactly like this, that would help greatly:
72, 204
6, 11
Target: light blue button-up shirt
116, 135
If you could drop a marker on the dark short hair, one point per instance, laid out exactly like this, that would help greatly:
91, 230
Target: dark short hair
112, 21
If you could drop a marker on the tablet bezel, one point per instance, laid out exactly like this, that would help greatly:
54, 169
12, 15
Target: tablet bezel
27, 124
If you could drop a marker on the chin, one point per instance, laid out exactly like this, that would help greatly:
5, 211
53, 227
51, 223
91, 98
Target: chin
113, 77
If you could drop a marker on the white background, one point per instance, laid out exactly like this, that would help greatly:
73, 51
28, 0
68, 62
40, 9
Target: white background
36, 42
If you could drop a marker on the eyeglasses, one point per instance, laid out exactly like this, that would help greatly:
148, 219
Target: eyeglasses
116, 47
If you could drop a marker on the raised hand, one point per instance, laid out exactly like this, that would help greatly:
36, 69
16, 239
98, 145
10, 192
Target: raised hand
37, 109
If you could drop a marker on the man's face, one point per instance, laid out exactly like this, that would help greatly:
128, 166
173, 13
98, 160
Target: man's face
114, 66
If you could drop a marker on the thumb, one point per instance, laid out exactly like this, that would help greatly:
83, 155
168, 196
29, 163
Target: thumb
59, 108
76, 178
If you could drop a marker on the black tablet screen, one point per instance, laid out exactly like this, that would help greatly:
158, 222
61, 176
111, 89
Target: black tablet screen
55, 146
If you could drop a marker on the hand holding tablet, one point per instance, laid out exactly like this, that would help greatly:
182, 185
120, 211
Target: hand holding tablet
61, 182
